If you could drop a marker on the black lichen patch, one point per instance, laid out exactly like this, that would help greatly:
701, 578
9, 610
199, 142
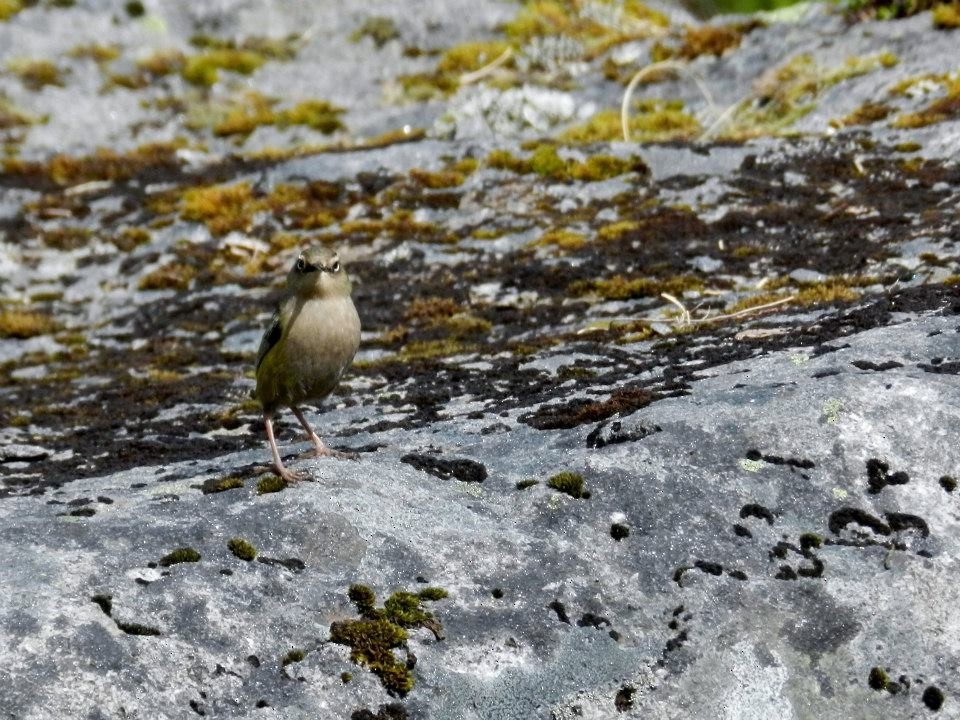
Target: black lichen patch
570, 483
840, 519
292, 564
180, 555
242, 549
707, 567
876, 367
899, 522
560, 609
800, 463
933, 697
601, 436
138, 629
623, 401
390, 711
757, 511
105, 602
528, 483
948, 483
619, 531
623, 701
879, 476
373, 638
461, 469
83, 512
938, 367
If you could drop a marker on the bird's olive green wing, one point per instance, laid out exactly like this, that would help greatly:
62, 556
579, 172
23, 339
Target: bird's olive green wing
270, 338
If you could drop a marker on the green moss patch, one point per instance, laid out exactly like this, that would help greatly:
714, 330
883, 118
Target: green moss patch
373, 638
180, 555
271, 484
570, 483
242, 549
217, 485
295, 655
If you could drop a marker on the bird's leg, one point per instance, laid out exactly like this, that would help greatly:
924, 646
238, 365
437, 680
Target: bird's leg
319, 449
288, 475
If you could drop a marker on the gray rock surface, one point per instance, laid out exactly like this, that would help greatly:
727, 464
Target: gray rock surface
747, 349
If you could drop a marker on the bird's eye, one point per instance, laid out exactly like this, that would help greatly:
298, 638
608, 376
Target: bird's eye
301, 264
335, 267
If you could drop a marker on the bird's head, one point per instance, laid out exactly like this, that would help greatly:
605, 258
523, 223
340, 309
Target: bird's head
317, 272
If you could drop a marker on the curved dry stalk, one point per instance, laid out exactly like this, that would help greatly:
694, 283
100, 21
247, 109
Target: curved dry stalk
745, 311
480, 73
684, 313
649, 70
722, 120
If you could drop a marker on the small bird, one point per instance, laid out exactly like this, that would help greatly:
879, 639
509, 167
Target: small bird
311, 341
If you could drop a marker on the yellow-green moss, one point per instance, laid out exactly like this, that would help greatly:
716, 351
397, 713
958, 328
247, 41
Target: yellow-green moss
616, 230
21, 324
9, 8
787, 93
241, 548
621, 288
561, 238
465, 325
221, 208
36, 74
947, 16
603, 167
816, 294
203, 69
130, 238
271, 484
13, 116
180, 555
436, 180
104, 164
713, 39
95, 51
66, 238
241, 115
945, 108
649, 121
869, 112
570, 483
295, 655
371, 643
373, 638
173, 276
223, 484
378, 28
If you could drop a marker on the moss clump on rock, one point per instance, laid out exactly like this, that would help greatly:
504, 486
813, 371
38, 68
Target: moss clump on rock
271, 484
570, 483
295, 655
180, 555
242, 549
373, 638
22, 324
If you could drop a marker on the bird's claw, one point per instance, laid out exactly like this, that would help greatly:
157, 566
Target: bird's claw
291, 477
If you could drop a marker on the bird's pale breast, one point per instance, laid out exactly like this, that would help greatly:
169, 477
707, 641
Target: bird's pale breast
322, 337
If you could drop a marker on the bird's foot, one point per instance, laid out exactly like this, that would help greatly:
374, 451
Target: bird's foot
324, 451
291, 477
